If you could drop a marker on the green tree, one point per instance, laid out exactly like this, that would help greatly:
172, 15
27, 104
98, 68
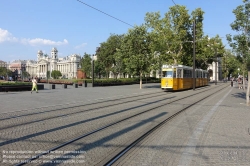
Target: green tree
5, 72
172, 34
86, 64
240, 42
107, 53
56, 74
25, 74
135, 51
99, 69
230, 64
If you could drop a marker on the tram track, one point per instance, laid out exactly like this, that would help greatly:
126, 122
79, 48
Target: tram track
139, 140
58, 109
112, 124
64, 112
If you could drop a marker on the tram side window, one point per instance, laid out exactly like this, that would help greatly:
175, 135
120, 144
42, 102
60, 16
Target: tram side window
187, 73
179, 73
205, 74
197, 74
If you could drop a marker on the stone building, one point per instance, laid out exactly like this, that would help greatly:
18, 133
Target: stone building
3, 64
67, 66
215, 70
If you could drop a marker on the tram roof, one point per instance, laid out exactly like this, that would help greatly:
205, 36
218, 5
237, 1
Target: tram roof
176, 66
181, 66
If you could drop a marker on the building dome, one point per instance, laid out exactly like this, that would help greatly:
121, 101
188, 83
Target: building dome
54, 49
40, 52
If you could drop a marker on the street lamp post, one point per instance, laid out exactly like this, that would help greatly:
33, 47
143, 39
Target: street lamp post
216, 71
194, 58
93, 68
47, 73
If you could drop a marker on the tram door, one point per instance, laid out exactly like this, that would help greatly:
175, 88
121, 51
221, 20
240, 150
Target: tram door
179, 78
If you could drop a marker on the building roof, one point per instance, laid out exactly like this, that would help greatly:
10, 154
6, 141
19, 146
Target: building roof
2, 61
15, 65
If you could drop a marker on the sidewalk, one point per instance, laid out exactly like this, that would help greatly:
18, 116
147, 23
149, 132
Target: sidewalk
215, 132
226, 138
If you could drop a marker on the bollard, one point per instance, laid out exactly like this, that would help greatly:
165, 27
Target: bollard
64, 86
52, 86
232, 83
76, 85
85, 83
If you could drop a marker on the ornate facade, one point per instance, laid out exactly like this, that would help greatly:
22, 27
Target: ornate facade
3, 64
67, 66
215, 70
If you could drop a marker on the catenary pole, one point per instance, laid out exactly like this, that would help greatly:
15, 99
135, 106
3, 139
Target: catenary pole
194, 56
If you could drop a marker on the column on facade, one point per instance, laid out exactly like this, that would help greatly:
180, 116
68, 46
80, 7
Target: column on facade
74, 69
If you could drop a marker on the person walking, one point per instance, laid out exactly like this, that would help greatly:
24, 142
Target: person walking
34, 85
240, 83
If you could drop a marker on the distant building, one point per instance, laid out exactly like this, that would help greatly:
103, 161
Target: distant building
3, 64
67, 66
215, 69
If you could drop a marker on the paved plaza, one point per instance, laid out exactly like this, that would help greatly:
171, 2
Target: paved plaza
215, 132
24, 100
221, 136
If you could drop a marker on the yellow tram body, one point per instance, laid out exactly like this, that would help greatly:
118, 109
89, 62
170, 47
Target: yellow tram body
180, 77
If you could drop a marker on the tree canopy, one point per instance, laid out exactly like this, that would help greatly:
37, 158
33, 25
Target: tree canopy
56, 74
86, 64
240, 42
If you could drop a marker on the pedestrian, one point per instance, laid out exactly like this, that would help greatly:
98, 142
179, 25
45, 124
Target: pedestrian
34, 85
232, 82
240, 82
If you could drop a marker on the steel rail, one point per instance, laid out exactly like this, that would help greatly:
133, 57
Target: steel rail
35, 113
77, 112
102, 128
141, 138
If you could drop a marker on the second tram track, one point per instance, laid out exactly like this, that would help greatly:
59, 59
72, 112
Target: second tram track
111, 124
71, 113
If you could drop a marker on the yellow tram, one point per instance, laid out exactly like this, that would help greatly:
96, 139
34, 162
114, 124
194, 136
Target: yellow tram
180, 77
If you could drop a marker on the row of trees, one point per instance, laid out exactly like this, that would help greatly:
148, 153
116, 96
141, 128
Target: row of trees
5, 72
240, 42
168, 39
160, 40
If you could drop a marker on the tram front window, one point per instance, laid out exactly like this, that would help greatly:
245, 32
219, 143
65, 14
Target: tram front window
169, 74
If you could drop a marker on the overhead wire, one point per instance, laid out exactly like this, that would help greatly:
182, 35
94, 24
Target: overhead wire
120, 19
204, 32
173, 2
105, 13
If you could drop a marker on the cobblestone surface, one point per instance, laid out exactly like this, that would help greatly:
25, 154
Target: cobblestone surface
51, 117
214, 132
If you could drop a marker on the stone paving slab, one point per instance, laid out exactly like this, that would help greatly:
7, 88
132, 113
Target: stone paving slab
215, 132
24, 100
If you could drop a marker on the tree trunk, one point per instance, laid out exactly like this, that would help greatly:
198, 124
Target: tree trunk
248, 88
244, 83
